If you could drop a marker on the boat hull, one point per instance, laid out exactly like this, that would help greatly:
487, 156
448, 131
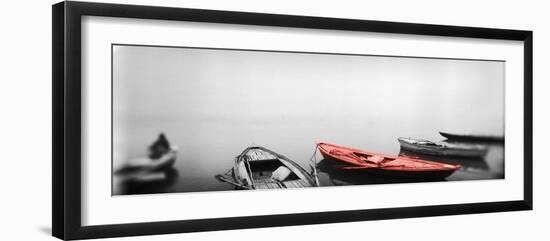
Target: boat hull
446, 151
393, 166
471, 138
163, 165
406, 174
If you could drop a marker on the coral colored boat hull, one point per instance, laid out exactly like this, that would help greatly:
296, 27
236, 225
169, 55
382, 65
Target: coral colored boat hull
395, 166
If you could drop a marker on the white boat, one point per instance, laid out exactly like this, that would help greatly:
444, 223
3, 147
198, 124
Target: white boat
442, 148
161, 157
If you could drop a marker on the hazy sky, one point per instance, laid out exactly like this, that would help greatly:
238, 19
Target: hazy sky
220, 84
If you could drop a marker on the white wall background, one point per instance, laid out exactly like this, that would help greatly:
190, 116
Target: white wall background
25, 126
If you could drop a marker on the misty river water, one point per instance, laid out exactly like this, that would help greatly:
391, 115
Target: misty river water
209, 148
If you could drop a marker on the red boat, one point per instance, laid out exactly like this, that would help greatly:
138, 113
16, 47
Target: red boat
382, 164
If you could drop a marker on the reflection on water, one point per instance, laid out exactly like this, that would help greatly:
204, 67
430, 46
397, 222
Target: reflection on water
491, 166
472, 163
146, 183
331, 174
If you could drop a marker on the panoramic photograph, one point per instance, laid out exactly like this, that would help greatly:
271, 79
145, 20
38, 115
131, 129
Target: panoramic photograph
188, 119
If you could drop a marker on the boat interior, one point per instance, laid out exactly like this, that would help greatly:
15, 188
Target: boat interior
364, 157
262, 171
422, 142
268, 172
373, 159
430, 143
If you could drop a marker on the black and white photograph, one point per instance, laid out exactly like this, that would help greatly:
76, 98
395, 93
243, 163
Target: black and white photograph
192, 119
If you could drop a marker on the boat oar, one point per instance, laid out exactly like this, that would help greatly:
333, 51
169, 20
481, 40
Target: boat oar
223, 178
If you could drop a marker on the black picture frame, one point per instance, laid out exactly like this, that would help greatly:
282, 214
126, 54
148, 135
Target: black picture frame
66, 75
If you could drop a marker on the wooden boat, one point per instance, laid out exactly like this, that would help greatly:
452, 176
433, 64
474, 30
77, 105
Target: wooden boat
472, 137
381, 164
260, 168
442, 148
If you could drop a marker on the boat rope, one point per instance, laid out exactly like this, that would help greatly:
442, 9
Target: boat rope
314, 156
313, 159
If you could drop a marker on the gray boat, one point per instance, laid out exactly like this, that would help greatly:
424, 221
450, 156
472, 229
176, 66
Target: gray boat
442, 148
472, 137
260, 168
